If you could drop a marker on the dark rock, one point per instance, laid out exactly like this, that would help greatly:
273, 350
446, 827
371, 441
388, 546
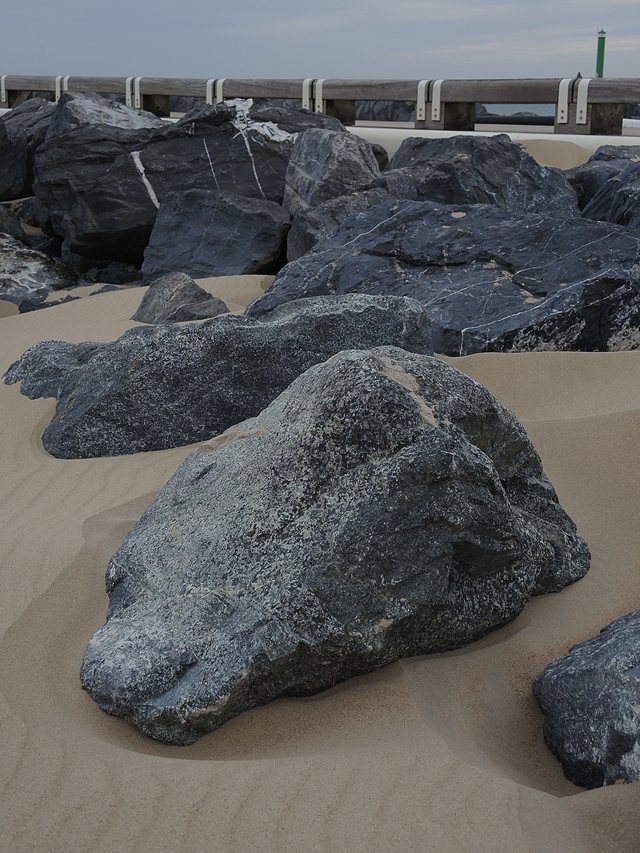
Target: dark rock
618, 199
106, 206
49, 246
383, 111
380, 153
326, 164
607, 161
491, 280
384, 505
25, 210
10, 224
29, 275
165, 386
484, 170
205, 233
591, 701
81, 110
176, 297
632, 111
22, 130
116, 272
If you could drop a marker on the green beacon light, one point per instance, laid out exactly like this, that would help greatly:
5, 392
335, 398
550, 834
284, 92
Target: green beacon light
600, 56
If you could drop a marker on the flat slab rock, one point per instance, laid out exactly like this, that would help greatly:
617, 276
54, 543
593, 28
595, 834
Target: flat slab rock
491, 280
384, 505
591, 703
176, 297
168, 386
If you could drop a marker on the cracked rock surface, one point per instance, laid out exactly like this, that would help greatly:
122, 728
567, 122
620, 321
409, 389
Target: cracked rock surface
490, 279
167, 386
591, 703
384, 505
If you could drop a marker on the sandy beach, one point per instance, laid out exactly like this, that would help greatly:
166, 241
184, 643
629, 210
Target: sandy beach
437, 754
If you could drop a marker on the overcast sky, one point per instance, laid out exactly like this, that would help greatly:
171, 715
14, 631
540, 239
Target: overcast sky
326, 38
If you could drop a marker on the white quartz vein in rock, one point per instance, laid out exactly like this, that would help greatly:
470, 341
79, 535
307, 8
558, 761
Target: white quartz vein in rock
137, 162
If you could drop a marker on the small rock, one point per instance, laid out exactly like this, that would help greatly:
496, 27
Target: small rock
607, 161
176, 297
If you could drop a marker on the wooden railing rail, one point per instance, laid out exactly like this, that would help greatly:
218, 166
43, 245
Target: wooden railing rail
582, 105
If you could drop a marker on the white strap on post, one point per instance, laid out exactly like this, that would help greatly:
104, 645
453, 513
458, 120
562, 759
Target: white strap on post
319, 104
137, 97
209, 91
562, 110
435, 100
581, 107
59, 87
3, 90
421, 100
127, 92
220, 90
306, 93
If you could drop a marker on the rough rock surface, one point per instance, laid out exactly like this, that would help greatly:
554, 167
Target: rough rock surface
591, 702
484, 170
490, 280
165, 386
385, 111
176, 297
10, 224
75, 111
206, 233
384, 505
29, 276
618, 199
21, 131
607, 161
326, 164
106, 206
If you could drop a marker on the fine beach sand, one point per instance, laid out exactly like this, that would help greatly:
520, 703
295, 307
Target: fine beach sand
438, 754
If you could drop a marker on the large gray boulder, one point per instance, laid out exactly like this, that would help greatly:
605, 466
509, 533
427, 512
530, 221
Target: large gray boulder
607, 161
22, 130
384, 505
166, 386
326, 164
618, 199
591, 703
203, 233
104, 203
27, 277
490, 280
176, 297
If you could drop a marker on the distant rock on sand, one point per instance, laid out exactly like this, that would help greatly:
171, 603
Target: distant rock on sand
166, 386
591, 703
176, 297
384, 505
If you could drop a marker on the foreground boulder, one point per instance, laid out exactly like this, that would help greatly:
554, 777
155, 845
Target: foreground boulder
204, 233
384, 505
490, 280
27, 277
103, 188
607, 161
176, 297
166, 386
618, 199
22, 130
591, 702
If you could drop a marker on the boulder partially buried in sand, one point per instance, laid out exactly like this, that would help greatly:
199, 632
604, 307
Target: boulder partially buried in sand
384, 505
176, 297
166, 386
591, 703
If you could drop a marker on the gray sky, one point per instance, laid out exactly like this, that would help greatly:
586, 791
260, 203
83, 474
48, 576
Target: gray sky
327, 38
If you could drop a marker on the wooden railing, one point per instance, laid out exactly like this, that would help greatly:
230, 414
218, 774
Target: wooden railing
582, 105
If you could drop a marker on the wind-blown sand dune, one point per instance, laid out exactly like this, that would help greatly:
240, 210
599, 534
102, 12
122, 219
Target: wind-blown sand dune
441, 754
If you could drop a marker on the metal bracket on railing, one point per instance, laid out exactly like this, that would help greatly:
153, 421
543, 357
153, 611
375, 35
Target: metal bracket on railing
562, 110
435, 100
3, 91
421, 100
319, 104
220, 90
306, 93
209, 91
127, 92
137, 97
581, 106
62, 85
